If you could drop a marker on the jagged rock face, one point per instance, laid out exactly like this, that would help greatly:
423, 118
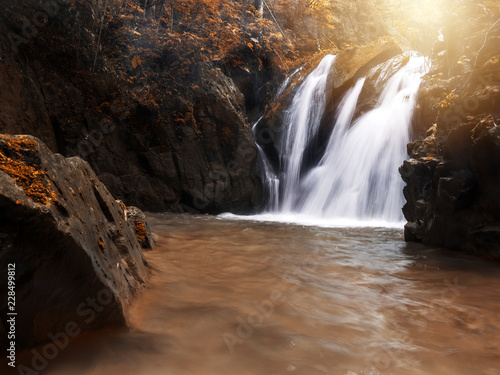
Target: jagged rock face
191, 152
202, 163
452, 195
77, 259
205, 162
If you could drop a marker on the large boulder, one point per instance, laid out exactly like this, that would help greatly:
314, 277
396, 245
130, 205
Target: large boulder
77, 260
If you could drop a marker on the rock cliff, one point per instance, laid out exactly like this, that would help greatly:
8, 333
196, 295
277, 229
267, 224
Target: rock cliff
164, 131
159, 96
453, 174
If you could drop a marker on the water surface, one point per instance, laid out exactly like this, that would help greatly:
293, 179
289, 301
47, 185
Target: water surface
242, 297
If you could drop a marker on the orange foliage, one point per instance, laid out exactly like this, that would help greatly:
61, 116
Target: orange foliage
15, 160
208, 30
140, 232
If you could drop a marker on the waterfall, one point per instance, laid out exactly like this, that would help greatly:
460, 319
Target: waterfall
302, 123
356, 178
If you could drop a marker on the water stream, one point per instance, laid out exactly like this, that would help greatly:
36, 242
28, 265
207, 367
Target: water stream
270, 180
358, 175
253, 298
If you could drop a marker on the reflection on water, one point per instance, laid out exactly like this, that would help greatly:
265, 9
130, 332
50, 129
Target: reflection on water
242, 297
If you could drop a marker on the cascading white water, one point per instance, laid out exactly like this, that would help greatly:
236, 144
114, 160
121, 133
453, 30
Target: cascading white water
271, 181
357, 177
302, 123
286, 82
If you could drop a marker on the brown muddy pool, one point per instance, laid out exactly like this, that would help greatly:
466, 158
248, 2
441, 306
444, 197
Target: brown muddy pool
247, 298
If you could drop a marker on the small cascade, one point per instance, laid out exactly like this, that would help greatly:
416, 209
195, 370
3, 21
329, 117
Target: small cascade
357, 175
286, 82
271, 182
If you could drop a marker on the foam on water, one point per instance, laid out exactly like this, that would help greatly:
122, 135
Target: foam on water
307, 220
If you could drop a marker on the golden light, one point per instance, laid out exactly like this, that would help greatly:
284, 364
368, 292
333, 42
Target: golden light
420, 10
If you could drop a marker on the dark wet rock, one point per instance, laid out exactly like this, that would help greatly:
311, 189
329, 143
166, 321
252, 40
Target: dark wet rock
418, 175
214, 153
452, 196
77, 259
456, 204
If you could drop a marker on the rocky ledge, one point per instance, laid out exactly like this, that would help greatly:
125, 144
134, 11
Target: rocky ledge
452, 189
76, 251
